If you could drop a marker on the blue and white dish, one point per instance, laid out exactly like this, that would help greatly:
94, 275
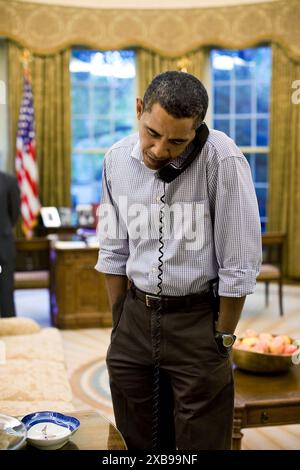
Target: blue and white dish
49, 429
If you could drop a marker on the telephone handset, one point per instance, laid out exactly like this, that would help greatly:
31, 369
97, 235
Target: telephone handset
170, 171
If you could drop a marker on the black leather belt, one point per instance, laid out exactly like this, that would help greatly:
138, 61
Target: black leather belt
169, 302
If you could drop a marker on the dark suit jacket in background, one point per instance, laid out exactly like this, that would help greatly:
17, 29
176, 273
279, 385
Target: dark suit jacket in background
9, 212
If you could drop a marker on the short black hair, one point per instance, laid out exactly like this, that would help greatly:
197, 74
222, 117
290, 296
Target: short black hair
179, 93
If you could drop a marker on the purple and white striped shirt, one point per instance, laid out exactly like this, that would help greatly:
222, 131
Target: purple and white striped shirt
215, 194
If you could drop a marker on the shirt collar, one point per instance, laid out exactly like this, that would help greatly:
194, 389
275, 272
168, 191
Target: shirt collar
136, 151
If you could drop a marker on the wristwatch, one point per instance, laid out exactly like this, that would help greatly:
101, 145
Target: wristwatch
224, 341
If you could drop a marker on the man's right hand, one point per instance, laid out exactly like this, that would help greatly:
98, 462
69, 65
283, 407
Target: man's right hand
116, 286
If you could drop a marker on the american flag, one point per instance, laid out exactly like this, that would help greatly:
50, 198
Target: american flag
26, 168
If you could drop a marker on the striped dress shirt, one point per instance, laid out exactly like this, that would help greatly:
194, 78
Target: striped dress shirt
215, 196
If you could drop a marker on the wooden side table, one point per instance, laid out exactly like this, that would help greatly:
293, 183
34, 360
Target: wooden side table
94, 433
78, 291
263, 400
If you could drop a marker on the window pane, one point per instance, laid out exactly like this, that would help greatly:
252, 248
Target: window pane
81, 129
78, 77
80, 99
101, 134
261, 167
86, 178
263, 63
245, 64
123, 125
261, 194
101, 101
262, 132
251, 160
125, 96
222, 125
243, 132
243, 99
221, 99
222, 64
243, 70
262, 97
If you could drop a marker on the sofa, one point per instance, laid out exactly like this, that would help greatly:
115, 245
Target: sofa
33, 375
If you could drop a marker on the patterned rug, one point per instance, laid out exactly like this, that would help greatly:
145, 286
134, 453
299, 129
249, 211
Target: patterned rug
86, 351
90, 385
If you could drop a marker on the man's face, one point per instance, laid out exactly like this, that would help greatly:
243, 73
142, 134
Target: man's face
162, 137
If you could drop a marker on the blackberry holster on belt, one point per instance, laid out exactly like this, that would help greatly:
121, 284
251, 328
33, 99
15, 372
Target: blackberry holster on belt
214, 296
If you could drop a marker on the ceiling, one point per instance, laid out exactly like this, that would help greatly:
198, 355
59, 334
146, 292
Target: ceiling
146, 4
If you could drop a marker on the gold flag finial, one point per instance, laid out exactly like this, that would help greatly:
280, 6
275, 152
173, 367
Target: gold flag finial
25, 59
183, 64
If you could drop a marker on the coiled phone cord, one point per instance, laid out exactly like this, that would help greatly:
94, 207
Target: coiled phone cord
155, 328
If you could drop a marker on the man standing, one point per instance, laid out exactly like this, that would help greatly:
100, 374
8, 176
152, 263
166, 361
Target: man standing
182, 213
9, 212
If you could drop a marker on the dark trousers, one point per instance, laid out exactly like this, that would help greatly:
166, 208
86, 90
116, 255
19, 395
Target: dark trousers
7, 305
196, 384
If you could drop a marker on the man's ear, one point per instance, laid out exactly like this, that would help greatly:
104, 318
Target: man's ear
139, 107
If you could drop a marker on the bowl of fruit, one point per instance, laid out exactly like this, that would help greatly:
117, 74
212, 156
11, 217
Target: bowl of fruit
265, 352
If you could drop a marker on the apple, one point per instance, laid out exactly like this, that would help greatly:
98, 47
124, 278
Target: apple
250, 341
285, 338
258, 348
263, 346
265, 336
289, 349
276, 346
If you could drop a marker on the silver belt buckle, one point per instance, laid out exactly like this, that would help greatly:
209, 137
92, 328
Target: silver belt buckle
148, 297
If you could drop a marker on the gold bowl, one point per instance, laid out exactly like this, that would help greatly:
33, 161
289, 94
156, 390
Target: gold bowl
264, 362
261, 362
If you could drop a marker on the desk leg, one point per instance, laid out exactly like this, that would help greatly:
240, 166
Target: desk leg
237, 435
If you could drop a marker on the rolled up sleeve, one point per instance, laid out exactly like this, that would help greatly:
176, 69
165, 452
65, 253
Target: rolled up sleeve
237, 230
111, 231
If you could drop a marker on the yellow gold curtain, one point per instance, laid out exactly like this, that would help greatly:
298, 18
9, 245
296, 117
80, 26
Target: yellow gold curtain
47, 28
150, 63
284, 161
51, 94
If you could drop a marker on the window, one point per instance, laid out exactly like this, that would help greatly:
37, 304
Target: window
241, 88
103, 112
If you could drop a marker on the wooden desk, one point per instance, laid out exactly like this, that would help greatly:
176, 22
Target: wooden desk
262, 400
78, 293
94, 433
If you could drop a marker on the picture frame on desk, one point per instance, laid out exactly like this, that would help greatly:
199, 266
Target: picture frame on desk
85, 216
65, 214
50, 217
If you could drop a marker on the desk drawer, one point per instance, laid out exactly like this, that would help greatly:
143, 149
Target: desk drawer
272, 416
